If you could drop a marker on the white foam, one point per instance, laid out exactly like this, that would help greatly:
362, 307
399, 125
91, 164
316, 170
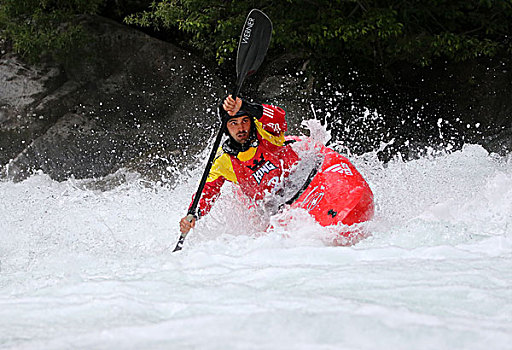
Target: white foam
83, 268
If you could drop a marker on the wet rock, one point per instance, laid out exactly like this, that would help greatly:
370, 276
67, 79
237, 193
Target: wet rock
407, 112
284, 82
129, 100
123, 100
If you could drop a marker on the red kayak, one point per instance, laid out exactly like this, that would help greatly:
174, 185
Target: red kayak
335, 193
338, 193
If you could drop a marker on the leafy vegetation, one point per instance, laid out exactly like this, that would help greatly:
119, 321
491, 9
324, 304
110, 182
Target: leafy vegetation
38, 27
378, 32
35, 28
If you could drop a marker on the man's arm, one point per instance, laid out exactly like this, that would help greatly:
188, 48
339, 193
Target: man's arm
211, 192
273, 119
221, 170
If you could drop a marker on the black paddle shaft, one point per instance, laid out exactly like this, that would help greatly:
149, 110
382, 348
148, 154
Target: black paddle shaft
252, 48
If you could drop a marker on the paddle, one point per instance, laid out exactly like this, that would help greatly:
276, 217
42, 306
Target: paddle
252, 47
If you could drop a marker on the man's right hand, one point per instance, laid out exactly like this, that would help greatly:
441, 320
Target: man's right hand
231, 106
186, 225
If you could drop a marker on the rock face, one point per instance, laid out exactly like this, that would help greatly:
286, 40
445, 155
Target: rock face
130, 100
412, 109
125, 99
482, 100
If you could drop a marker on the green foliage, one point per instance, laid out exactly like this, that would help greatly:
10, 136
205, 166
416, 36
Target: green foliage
39, 27
119, 9
209, 26
380, 31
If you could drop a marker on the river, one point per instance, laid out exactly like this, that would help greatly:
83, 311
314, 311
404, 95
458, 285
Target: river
87, 264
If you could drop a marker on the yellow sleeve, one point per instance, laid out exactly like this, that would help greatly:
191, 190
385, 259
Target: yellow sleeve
277, 140
222, 167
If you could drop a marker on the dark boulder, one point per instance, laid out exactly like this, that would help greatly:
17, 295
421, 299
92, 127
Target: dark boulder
130, 100
410, 109
124, 100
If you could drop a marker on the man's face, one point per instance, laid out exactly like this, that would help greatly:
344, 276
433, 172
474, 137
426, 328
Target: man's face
239, 128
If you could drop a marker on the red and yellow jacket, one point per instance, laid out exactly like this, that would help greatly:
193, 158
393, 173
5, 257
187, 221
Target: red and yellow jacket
256, 170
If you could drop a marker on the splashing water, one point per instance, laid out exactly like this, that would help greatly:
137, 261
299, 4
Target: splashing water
83, 268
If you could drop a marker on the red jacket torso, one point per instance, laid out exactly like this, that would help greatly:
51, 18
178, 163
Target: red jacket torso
259, 169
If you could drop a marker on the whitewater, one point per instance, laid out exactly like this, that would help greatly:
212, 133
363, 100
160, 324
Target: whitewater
87, 264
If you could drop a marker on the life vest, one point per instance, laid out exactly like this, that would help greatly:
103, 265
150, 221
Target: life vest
256, 170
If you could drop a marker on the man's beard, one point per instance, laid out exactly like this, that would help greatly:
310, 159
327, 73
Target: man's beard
233, 147
243, 137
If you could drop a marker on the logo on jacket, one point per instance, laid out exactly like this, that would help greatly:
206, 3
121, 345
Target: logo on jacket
265, 169
260, 168
257, 163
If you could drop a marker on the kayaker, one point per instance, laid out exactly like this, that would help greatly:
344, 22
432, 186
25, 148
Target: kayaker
255, 156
